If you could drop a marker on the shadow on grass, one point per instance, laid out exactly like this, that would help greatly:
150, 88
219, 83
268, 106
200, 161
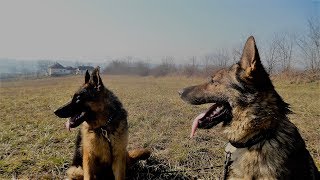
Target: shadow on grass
154, 169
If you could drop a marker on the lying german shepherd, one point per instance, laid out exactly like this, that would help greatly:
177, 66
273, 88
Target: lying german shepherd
265, 144
102, 141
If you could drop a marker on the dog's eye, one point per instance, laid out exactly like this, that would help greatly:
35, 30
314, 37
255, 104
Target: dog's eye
78, 99
210, 79
83, 91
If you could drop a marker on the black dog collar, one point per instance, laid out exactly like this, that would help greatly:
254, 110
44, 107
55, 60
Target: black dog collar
254, 140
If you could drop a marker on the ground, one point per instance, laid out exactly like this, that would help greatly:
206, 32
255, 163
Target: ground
35, 144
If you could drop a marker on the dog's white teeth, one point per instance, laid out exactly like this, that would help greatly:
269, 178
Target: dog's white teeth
79, 116
216, 111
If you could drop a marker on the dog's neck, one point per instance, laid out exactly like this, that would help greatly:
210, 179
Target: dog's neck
112, 113
260, 137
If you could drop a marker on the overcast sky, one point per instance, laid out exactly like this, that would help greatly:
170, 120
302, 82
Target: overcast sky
96, 30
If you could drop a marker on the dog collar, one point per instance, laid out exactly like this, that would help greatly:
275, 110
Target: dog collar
254, 140
229, 157
105, 133
104, 129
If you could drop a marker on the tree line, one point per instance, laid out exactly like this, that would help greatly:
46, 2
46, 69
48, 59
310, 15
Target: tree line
282, 53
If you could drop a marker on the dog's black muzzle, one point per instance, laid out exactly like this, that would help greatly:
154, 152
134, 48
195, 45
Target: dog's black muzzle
66, 110
70, 109
75, 106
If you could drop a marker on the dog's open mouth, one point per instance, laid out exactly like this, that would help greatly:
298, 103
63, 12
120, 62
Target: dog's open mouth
76, 120
75, 114
217, 113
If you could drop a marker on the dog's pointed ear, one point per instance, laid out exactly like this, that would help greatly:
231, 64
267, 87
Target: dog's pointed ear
87, 77
253, 70
250, 60
96, 79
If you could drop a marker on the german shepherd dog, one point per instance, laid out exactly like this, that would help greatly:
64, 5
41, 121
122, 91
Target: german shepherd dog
101, 145
263, 143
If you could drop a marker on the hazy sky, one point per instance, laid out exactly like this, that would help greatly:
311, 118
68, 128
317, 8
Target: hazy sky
97, 29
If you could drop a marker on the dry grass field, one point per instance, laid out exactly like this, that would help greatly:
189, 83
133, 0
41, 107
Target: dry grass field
35, 145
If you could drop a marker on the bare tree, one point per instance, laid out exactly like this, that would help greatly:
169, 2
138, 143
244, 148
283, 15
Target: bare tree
284, 48
142, 68
236, 53
221, 58
309, 45
216, 60
126, 66
167, 66
118, 66
208, 60
192, 68
271, 55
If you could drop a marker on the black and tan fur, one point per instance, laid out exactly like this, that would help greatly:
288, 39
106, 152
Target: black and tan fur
254, 117
101, 145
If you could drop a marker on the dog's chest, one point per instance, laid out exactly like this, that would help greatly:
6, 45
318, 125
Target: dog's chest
247, 164
97, 146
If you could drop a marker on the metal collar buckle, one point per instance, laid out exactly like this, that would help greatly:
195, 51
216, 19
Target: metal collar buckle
105, 134
227, 163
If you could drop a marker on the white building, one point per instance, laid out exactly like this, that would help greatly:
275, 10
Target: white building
58, 70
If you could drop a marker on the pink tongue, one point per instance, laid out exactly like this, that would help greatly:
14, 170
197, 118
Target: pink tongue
68, 125
195, 124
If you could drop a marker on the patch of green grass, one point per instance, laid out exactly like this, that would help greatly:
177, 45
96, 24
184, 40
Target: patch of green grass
35, 144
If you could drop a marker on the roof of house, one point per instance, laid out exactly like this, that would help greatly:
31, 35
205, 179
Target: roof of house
70, 68
90, 68
56, 66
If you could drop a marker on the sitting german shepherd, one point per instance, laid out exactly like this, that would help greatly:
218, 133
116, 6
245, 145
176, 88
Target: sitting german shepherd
102, 141
263, 143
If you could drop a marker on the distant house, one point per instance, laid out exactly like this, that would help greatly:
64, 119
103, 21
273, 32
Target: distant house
57, 70
83, 69
71, 70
